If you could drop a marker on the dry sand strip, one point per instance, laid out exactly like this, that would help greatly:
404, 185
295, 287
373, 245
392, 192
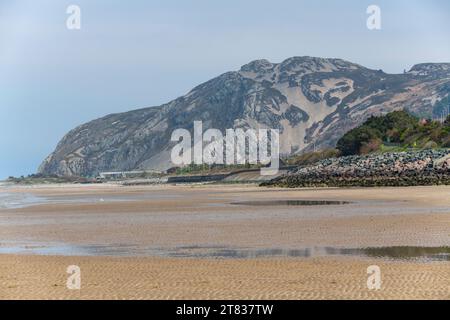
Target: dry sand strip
44, 277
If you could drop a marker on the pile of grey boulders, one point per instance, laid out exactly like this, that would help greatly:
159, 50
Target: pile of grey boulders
411, 168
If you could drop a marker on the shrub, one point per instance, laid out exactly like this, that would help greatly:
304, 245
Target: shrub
398, 127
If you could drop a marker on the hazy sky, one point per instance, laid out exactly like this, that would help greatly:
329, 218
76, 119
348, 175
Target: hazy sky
132, 54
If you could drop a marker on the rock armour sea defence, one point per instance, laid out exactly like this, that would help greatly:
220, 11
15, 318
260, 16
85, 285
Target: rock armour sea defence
427, 167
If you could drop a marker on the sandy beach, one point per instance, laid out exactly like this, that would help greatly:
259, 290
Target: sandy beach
32, 277
209, 242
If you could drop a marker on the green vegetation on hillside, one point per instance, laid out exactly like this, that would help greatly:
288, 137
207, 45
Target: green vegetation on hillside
395, 131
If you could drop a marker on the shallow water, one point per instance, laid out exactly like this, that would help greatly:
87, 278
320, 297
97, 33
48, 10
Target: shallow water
220, 252
22, 200
19, 200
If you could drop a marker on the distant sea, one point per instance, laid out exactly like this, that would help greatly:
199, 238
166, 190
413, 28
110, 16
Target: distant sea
17, 200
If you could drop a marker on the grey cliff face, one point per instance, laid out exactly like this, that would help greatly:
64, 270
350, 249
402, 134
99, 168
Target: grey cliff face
310, 100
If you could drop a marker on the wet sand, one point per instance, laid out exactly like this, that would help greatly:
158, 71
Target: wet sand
204, 217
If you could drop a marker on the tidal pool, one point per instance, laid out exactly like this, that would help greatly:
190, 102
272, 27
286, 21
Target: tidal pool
291, 203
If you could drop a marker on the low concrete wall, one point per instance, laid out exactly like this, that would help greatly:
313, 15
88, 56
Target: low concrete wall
194, 179
252, 176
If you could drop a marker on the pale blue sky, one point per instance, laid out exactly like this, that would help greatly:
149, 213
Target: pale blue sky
132, 54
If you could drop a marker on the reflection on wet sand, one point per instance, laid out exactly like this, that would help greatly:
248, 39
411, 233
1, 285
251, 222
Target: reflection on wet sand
291, 203
127, 250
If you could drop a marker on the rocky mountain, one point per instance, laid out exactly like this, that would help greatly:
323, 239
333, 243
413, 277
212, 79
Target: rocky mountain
312, 101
